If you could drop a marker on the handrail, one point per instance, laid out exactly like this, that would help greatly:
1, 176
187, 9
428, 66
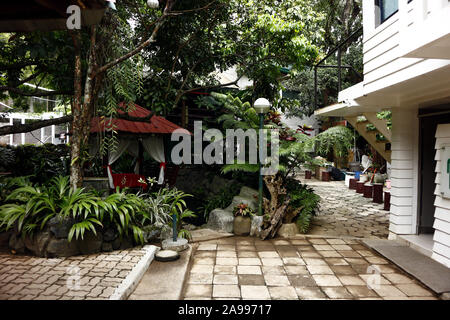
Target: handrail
339, 66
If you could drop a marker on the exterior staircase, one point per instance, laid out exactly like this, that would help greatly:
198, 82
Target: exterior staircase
379, 137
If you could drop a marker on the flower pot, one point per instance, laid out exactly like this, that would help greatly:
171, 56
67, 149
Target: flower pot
363, 178
242, 226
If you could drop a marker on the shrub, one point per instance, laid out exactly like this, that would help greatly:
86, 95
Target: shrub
243, 210
221, 200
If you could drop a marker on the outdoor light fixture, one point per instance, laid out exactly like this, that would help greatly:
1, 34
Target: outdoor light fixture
261, 106
110, 4
153, 3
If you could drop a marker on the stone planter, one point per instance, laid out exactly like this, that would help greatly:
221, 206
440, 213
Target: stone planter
242, 226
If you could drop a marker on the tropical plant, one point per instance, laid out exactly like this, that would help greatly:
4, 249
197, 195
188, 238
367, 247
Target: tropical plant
243, 210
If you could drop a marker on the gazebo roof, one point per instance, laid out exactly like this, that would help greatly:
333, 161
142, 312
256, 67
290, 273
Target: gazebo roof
155, 124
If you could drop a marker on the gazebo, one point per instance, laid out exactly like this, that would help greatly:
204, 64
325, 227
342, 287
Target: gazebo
138, 130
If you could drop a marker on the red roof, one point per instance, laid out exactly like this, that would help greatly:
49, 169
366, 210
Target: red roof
155, 124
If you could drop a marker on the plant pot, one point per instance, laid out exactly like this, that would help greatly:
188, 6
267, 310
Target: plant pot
363, 178
242, 226
308, 174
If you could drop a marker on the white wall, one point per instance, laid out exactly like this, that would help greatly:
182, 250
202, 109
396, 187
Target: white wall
441, 248
404, 171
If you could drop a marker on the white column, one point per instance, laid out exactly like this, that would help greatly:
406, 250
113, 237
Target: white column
368, 17
11, 136
53, 134
421, 10
402, 219
42, 135
22, 135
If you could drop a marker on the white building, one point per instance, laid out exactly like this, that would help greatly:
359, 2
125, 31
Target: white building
407, 70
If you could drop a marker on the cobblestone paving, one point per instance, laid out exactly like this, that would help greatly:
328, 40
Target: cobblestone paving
313, 268
75, 278
343, 212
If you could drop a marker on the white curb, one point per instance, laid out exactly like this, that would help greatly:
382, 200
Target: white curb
134, 277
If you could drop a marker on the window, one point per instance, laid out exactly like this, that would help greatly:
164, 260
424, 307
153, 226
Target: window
385, 9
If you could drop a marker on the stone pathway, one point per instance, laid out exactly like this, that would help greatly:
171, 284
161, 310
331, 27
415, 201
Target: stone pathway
300, 268
343, 212
79, 278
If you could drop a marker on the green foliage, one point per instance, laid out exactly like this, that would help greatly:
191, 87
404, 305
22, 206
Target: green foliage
337, 139
41, 163
221, 200
302, 197
243, 210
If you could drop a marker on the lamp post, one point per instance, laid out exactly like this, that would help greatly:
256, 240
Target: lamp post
262, 106
153, 3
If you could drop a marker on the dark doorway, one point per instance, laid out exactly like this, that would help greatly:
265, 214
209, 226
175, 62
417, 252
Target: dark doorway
429, 121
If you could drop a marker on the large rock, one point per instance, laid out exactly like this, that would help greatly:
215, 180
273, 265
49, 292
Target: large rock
221, 219
37, 243
16, 243
110, 234
62, 248
60, 227
91, 243
4, 239
287, 230
255, 229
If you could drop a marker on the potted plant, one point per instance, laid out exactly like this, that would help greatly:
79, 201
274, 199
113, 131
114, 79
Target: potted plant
242, 221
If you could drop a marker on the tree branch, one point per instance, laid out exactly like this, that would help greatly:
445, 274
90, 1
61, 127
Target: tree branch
21, 128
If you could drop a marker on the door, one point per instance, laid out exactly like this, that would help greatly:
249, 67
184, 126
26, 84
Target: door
428, 126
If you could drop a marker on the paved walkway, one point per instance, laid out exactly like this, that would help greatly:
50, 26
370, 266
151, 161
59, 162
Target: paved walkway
313, 268
82, 277
343, 212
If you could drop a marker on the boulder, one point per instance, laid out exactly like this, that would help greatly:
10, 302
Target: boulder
255, 229
37, 243
62, 248
60, 227
221, 219
4, 239
249, 193
287, 230
107, 246
237, 200
126, 243
16, 244
110, 234
91, 243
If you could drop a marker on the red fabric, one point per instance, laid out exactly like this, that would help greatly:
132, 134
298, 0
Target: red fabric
156, 124
128, 180
163, 165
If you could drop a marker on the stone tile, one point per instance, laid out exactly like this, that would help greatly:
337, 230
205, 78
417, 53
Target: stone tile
276, 270
299, 242
251, 280
224, 269
293, 270
365, 253
348, 280
226, 291
281, 242
315, 262
208, 247
309, 293
247, 254
330, 254
225, 279
323, 247
207, 260
341, 247
276, 280
414, 290
291, 261
388, 291
313, 269
317, 241
349, 254
226, 247
310, 254
353, 261
337, 293
249, 270
397, 278
227, 261
200, 278
376, 260
249, 262
343, 270
200, 268
283, 293
255, 292
302, 281
335, 241
246, 248
361, 291
272, 261
327, 280
336, 261
226, 254
205, 254
373, 279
